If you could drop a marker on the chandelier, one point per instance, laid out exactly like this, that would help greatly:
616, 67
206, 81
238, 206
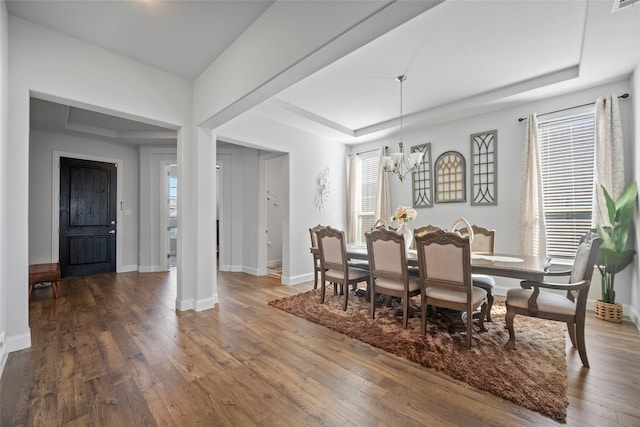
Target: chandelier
397, 164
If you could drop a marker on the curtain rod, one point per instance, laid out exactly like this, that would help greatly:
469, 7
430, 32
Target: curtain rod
624, 96
369, 151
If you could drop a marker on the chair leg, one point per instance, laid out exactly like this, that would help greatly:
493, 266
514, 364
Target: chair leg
54, 286
423, 323
509, 321
346, 297
322, 289
582, 348
489, 305
469, 329
315, 278
372, 301
483, 312
405, 312
571, 328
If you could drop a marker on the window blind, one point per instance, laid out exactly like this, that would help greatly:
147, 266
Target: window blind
368, 188
567, 164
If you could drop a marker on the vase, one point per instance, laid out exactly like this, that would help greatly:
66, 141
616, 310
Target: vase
609, 311
408, 236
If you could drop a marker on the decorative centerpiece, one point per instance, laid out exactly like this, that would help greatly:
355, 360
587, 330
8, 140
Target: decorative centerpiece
613, 255
403, 215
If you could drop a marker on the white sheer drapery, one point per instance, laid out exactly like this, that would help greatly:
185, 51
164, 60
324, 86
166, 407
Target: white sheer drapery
609, 157
383, 196
533, 234
352, 197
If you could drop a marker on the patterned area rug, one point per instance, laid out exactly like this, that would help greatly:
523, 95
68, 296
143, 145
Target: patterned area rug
534, 375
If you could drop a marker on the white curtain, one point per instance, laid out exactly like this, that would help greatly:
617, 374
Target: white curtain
533, 240
609, 157
383, 196
352, 197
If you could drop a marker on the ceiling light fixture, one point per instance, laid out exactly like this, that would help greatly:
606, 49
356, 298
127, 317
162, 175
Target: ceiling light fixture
397, 164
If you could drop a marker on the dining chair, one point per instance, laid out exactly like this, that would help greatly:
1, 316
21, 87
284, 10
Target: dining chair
444, 262
334, 267
483, 241
313, 232
389, 274
528, 300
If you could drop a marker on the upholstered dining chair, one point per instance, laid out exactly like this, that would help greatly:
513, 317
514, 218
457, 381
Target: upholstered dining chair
334, 267
313, 232
430, 228
483, 241
569, 308
444, 261
388, 270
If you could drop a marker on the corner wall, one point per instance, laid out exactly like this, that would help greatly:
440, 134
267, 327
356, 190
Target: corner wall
634, 312
4, 175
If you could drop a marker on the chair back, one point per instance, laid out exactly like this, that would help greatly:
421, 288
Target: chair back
387, 255
584, 263
444, 260
483, 238
313, 232
461, 224
332, 249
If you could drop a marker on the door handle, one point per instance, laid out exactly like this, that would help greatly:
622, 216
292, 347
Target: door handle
112, 231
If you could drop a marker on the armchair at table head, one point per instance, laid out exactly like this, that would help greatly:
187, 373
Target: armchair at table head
444, 260
569, 308
389, 273
333, 263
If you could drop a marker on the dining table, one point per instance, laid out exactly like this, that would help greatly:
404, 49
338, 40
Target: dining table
514, 266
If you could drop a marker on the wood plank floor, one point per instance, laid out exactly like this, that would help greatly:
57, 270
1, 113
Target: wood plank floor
113, 351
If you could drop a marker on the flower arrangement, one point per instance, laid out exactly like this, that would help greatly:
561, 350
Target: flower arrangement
404, 214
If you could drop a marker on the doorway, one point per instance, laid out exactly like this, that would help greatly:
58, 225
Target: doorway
172, 216
274, 195
87, 217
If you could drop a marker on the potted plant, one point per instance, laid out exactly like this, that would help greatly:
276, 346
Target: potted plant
614, 256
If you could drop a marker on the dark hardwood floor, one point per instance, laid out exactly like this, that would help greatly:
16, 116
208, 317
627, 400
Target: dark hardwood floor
113, 351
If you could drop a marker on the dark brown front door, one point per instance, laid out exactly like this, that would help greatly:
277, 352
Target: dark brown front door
87, 217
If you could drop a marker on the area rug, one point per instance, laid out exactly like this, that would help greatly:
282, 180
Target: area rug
534, 375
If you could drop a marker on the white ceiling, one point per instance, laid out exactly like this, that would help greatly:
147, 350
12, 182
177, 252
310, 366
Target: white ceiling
460, 57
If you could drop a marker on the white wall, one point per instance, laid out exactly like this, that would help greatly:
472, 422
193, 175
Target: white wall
4, 176
152, 209
61, 68
239, 219
308, 155
634, 312
504, 217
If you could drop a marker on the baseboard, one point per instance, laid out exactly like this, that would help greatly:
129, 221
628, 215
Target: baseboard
206, 303
250, 270
634, 316
296, 280
184, 305
274, 262
3, 360
148, 269
128, 268
17, 342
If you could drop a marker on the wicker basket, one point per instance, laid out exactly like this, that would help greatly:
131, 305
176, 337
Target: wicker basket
611, 312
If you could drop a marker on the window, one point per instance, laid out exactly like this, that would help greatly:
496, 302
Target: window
368, 183
567, 162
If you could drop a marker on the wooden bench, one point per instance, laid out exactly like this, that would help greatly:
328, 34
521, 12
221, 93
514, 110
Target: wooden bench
40, 273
